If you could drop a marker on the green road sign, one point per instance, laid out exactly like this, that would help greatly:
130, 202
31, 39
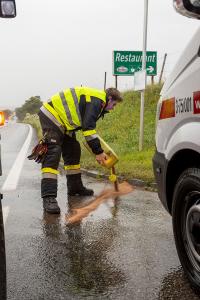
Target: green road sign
128, 62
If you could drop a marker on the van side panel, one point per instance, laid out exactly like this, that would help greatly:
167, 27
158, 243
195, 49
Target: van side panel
185, 137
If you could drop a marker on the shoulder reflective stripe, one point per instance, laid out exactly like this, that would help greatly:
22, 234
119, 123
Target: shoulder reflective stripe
49, 170
65, 105
89, 132
67, 111
52, 118
49, 175
72, 167
53, 112
71, 172
76, 103
91, 137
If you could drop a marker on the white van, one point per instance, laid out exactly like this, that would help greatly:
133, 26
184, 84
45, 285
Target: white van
177, 158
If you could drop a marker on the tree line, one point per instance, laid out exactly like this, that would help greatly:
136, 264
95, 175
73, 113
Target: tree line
31, 106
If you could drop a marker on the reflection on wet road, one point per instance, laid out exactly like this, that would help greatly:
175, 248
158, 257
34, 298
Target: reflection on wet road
83, 269
78, 210
124, 249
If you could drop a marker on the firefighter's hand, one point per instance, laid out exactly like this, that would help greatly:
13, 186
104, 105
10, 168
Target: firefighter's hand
101, 158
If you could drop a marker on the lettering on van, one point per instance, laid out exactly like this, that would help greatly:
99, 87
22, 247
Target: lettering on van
183, 105
196, 100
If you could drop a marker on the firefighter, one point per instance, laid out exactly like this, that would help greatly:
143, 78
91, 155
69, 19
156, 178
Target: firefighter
73, 109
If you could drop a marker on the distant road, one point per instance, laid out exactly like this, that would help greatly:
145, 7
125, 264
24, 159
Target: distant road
15, 141
13, 136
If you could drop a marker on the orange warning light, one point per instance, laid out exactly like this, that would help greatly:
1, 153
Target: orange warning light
2, 118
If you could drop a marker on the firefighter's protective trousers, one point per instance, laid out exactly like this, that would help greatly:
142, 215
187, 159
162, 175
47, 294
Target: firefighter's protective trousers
58, 144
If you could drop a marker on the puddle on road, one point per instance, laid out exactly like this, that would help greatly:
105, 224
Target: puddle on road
76, 214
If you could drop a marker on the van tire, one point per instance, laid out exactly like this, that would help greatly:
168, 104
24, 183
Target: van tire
186, 223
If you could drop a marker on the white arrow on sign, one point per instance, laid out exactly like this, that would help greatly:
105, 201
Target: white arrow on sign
150, 69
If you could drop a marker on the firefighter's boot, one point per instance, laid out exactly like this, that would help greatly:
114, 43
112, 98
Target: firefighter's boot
75, 186
50, 205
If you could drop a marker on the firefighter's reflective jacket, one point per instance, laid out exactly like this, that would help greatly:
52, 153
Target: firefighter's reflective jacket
77, 108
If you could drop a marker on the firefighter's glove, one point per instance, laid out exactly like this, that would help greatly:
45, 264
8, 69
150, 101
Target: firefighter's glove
39, 151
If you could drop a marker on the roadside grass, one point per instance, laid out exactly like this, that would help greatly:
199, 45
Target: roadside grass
33, 120
120, 129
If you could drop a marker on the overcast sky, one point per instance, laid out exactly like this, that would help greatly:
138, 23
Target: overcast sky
52, 45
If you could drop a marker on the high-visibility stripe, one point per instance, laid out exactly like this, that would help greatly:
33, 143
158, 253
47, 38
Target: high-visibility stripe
65, 105
49, 170
91, 137
88, 98
53, 112
89, 132
76, 103
46, 109
72, 167
72, 172
49, 175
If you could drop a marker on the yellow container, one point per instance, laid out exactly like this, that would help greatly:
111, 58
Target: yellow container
112, 156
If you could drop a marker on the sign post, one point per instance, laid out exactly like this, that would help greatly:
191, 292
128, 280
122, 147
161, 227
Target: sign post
142, 63
141, 137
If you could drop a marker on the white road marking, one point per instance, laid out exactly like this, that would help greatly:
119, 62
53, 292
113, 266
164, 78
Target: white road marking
6, 210
12, 179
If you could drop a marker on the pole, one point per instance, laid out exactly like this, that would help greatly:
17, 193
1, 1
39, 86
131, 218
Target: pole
141, 137
116, 81
105, 81
152, 80
163, 65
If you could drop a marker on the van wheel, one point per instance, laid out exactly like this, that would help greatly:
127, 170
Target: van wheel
186, 223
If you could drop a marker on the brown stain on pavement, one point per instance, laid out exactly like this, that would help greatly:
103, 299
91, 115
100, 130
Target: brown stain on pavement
77, 214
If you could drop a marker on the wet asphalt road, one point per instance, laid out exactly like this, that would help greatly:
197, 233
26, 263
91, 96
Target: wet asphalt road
123, 250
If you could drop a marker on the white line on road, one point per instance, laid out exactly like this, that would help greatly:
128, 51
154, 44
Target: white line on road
6, 210
12, 179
